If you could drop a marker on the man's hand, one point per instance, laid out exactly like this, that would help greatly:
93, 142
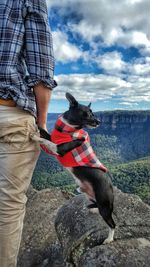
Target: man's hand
42, 97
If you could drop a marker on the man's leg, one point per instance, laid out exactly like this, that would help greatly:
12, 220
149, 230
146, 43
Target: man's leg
18, 157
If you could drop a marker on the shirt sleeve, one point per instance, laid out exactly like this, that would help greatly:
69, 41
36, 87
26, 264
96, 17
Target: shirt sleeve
38, 49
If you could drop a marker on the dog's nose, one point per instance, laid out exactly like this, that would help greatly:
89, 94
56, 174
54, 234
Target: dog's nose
98, 121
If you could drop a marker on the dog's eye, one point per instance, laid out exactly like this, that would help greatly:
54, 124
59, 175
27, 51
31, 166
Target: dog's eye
85, 114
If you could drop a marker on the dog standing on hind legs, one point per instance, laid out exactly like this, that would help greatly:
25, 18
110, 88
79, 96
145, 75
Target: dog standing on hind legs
99, 191
89, 173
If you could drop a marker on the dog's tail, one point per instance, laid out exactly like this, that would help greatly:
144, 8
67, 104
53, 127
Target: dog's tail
110, 175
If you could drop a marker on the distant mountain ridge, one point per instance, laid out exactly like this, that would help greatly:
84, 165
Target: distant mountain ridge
130, 128
121, 119
114, 119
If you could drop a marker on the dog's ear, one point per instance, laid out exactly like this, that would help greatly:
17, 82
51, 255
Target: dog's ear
73, 102
89, 105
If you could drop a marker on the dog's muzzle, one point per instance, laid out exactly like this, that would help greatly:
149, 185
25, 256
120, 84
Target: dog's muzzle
97, 121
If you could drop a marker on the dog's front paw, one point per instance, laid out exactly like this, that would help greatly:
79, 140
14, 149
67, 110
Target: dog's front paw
62, 149
44, 134
82, 139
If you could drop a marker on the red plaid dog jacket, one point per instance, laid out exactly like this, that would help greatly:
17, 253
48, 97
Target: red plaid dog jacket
80, 156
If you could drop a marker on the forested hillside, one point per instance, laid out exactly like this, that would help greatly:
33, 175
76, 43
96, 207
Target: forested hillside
121, 143
133, 177
131, 129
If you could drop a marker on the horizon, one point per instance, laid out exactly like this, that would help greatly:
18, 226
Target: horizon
108, 110
102, 52
60, 106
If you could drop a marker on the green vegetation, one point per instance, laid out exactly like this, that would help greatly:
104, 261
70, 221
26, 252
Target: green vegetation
60, 179
107, 148
133, 177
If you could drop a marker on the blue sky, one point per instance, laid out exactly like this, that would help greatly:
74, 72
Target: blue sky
102, 52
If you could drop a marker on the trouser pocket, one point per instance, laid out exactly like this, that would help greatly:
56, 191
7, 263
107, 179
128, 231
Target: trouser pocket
15, 134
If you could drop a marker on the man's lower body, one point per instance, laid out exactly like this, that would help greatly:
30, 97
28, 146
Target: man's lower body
18, 157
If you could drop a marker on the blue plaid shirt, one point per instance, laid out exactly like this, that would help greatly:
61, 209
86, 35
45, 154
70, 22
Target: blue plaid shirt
26, 51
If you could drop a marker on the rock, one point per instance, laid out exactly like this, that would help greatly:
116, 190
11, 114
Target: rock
52, 257
39, 239
81, 233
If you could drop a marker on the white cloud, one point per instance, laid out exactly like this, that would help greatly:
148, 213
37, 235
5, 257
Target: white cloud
128, 104
90, 87
133, 1
140, 69
114, 21
86, 30
111, 62
125, 23
128, 39
64, 50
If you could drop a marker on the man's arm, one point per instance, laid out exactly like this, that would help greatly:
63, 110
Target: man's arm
42, 96
39, 56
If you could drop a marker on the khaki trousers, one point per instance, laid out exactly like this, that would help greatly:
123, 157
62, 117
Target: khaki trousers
18, 157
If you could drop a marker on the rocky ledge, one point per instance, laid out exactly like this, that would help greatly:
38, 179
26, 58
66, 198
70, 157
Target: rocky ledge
81, 233
39, 242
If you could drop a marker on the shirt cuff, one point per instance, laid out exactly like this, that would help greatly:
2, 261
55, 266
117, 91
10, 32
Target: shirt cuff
47, 82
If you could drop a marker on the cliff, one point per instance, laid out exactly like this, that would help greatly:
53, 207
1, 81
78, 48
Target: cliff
81, 233
131, 130
118, 119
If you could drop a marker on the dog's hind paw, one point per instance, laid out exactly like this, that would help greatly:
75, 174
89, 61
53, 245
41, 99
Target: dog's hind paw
94, 210
107, 241
110, 237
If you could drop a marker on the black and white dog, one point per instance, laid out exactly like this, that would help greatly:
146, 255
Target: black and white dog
92, 177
